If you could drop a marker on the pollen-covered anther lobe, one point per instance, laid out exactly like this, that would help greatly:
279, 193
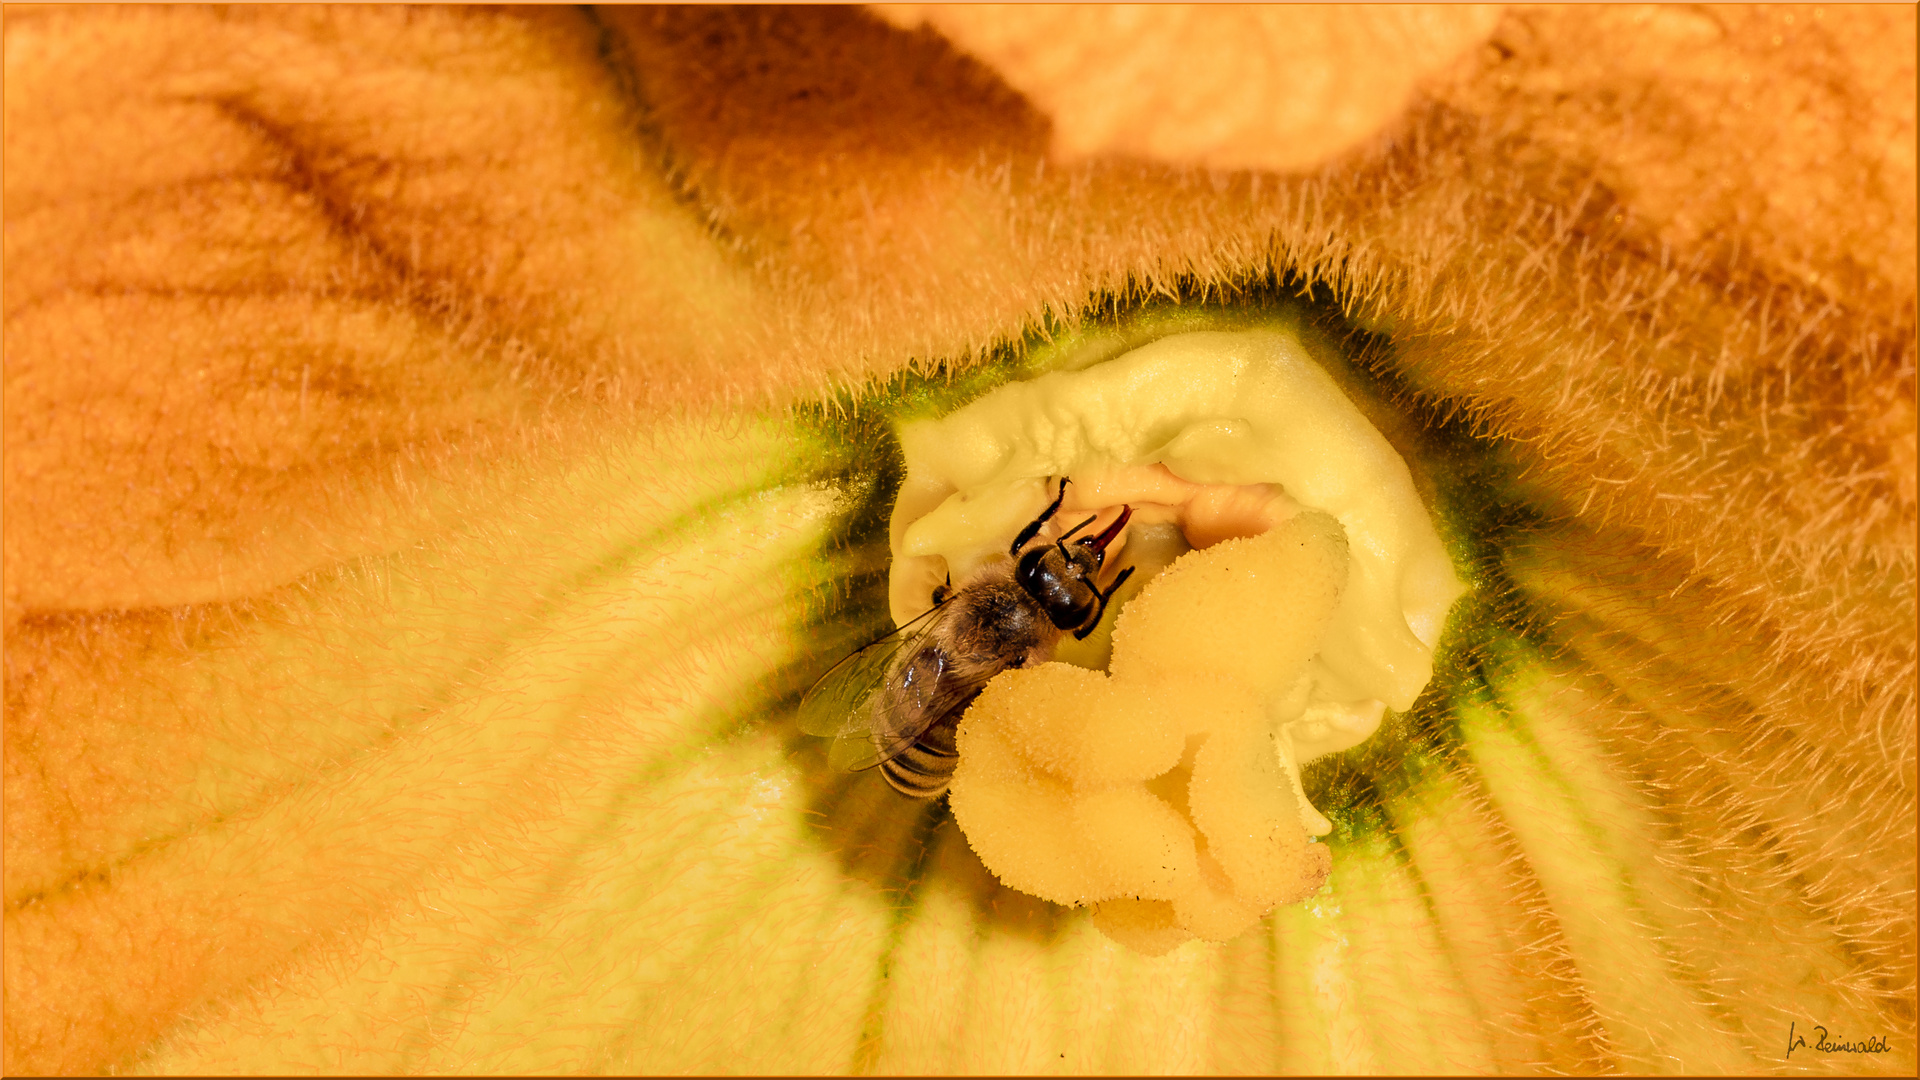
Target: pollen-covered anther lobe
1161, 784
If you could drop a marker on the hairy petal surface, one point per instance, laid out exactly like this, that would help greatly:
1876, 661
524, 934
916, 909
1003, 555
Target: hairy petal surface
441, 445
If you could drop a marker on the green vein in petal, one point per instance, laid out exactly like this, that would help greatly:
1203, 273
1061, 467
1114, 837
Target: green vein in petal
1397, 955
343, 664
504, 793
919, 847
1526, 999
1719, 893
703, 885
1594, 851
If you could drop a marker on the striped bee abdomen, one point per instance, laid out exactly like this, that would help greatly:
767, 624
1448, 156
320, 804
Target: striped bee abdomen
923, 769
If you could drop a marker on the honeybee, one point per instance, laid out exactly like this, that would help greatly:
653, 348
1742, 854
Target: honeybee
897, 702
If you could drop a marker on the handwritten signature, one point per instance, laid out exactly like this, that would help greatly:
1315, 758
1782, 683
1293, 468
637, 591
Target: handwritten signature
1873, 1044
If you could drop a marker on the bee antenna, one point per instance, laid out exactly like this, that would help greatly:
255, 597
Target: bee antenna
1077, 528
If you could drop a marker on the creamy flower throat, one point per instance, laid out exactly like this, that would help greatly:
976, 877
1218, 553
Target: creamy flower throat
1291, 587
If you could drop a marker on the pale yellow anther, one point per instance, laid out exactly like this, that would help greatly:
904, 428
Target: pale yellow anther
1288, 588
1162, 781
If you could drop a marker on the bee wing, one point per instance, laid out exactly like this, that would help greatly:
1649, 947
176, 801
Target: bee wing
838, 705
922, 688
930, 693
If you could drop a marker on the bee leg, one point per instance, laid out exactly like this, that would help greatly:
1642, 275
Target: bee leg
1033, 527
941, 592
1101, 611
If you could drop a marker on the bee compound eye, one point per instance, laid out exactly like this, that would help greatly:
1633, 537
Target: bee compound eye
1031, 572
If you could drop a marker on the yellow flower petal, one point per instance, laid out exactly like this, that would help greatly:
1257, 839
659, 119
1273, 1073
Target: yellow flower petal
395, 682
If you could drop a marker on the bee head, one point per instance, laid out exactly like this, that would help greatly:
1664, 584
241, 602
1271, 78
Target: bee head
1061, 577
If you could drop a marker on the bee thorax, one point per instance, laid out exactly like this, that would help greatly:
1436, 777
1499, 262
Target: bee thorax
999, 624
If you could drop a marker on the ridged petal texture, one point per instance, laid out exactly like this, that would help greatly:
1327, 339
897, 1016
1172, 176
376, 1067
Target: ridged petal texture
442, 446
572, 830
